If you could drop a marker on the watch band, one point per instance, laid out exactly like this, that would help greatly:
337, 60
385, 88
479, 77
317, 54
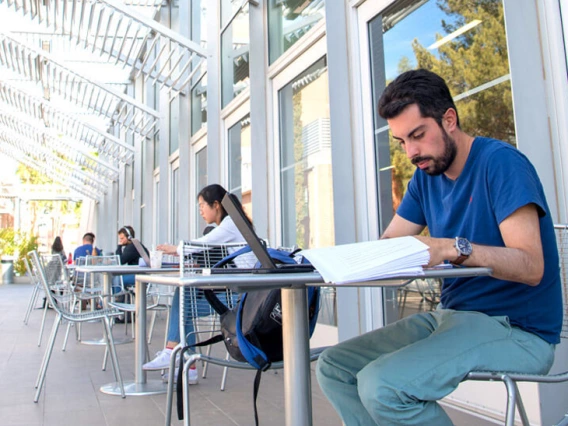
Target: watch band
461, 258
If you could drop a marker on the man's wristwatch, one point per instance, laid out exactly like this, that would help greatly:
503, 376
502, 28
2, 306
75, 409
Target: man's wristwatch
464, 249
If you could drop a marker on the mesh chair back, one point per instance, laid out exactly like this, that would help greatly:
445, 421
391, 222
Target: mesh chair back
194, 308
96, 279
57, 295
562, 242
55, 271
79, 277
31, 273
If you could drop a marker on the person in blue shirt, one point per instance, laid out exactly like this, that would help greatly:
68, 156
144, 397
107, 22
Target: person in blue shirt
88, 248
484, 205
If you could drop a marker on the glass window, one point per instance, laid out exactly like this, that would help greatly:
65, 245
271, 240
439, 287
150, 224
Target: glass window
157, 138
235, 56
175, 205
174, 124
240, 175
199, 105
199, 86
156, 208
305, 160
228, 10
288, 21
465, 43
201, 182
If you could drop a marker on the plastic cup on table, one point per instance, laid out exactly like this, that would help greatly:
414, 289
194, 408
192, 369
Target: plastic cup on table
156, 258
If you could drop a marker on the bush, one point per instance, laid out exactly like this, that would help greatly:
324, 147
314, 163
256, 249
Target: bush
17, 244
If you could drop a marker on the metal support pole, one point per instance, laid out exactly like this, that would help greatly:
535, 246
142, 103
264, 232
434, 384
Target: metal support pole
296, 341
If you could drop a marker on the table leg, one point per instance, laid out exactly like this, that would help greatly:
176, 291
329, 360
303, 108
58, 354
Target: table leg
296, 341
140, 386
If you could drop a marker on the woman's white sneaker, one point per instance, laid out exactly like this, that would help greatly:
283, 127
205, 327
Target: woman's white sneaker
161, 361
192, 380
193, 376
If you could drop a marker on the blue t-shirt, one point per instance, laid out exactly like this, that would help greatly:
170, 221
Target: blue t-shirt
84, 250
497, 180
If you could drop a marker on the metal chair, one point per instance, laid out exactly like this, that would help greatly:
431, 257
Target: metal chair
62, 305
57, 279
35, 292
510, 380
161, 297
194, 308
189, 266
193, 358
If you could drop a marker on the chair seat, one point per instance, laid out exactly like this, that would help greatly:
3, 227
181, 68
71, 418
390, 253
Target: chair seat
92, 315
517, 377
130, 307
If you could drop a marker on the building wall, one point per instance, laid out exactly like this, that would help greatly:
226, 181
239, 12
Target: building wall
352, 174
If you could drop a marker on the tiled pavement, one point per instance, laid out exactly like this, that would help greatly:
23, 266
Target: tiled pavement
71, 394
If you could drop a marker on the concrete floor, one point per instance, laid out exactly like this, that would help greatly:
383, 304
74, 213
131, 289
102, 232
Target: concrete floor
71, 394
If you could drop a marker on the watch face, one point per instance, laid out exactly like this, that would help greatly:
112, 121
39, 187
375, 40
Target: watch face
464, 246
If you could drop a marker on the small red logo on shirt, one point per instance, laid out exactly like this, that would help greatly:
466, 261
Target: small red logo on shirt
470, 199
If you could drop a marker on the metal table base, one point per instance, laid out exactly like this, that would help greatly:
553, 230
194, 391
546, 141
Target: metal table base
131, 388
102, 342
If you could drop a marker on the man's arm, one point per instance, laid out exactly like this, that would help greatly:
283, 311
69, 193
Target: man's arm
400, 227
522, 259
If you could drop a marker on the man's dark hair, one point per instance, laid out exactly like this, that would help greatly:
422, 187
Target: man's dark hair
127, 231
421, 87
89, 237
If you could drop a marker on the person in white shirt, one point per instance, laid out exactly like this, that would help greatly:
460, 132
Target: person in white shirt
225, 231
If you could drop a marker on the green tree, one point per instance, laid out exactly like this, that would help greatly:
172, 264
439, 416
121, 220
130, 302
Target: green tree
469, 61
300, 184
58, 209
17, 244
477, 57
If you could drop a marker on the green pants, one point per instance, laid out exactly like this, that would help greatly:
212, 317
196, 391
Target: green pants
395, 375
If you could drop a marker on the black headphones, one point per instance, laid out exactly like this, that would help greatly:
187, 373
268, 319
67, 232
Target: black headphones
128, 234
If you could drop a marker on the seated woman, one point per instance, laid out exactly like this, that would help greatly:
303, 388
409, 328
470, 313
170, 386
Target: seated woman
211, 210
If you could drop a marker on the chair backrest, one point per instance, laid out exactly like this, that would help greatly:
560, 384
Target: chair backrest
96, 278
113, 259
562, 242
55, 270
59, 299
31, 272
196, 256
204, 255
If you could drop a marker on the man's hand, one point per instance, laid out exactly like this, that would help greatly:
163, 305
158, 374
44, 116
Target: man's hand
441, 249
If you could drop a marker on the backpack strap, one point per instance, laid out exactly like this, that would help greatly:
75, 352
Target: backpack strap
214, 301
179, 386
211, 297
179, 390
255, 394
254, 356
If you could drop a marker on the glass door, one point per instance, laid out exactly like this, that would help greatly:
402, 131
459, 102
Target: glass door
303, 158
465, 43
239, 158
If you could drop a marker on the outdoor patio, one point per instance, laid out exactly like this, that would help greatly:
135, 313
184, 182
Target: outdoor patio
71, 394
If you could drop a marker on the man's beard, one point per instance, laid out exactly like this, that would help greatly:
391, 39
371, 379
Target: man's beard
440, 164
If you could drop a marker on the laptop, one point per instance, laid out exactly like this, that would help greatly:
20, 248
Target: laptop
235, 210
141, 251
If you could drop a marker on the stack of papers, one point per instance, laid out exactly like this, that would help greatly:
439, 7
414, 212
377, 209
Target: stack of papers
394, 257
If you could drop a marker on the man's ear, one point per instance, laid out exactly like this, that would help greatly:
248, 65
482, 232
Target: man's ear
450, 120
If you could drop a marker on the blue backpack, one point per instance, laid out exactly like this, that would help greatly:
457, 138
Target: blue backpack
252, 330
